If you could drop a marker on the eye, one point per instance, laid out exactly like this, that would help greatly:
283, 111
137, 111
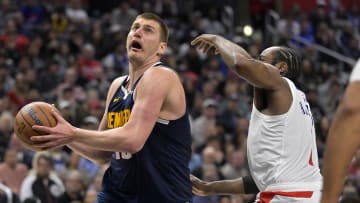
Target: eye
134, 27
147, 29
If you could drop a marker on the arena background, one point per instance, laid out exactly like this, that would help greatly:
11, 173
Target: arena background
67, 52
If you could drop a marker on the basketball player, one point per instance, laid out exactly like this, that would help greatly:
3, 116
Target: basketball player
145, 132
343, 139
281, 146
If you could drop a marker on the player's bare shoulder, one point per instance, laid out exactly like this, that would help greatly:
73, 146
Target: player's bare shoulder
118, 80
162, 74
115, 85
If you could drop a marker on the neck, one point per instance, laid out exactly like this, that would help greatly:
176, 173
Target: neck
136, 70
12, 166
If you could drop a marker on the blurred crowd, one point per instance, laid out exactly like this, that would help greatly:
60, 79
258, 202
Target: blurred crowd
67, 52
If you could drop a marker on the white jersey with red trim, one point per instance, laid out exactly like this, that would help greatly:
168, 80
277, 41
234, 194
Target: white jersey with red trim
355, 75
281, 149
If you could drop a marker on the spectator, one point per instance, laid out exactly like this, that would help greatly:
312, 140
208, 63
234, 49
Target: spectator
74, 188
123, 15
12, 173
13, 41
76, 13
88, 64
42, 182
6, 123
207, 118
236, 166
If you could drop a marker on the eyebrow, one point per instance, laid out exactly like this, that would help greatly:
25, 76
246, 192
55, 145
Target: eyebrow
149, 26
145, 25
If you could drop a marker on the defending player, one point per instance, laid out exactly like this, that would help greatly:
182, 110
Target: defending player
281, 146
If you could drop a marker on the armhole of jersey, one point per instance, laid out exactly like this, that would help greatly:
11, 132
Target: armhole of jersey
279, 116
293, 90
355, 75
159, 63
116, 88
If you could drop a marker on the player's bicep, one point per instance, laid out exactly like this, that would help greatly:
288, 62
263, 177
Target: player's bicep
150, 95
259, 74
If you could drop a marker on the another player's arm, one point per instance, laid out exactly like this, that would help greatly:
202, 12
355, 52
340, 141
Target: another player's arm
257, 73
243, 185
342, 142
98, 156
132, 136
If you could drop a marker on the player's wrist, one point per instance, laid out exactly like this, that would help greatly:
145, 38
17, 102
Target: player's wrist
212, 188
75, 134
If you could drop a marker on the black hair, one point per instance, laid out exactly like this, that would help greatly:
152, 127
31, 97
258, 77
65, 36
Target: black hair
291, 58
45, 157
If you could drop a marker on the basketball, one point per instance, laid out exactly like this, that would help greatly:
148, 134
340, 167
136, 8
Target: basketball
34, 113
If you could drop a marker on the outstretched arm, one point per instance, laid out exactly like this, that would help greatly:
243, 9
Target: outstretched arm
243, 185
258, 73
342, 142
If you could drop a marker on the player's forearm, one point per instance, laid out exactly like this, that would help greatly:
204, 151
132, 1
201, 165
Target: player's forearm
96, 156
225, 187
343, 141
124, 139
230, 52
255, 72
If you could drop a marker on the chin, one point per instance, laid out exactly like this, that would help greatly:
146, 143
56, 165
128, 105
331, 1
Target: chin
135, 58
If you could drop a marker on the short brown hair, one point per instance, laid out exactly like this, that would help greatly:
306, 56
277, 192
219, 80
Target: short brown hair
164, 28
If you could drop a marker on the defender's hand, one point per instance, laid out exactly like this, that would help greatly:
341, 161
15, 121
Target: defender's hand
205, 43
199, 187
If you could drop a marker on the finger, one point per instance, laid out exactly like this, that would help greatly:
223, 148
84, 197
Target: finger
202, 46
57, 115
197, 191
42, 138
196, 40
41, 128
207, 48
50, 144
196, 43
192, 177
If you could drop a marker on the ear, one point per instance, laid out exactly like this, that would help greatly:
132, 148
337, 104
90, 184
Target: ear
162, 48
284, 68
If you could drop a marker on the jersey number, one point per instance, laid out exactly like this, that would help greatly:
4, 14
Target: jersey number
123, 155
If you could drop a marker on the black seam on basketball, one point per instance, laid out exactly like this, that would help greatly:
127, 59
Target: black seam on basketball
16, 123
27, 122
23, 139
45, 115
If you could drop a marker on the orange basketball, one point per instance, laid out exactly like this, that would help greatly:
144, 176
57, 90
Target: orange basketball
34, 113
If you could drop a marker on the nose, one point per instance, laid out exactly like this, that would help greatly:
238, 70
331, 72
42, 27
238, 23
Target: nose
137, 32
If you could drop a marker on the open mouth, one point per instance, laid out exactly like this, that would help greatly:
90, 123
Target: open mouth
135, 45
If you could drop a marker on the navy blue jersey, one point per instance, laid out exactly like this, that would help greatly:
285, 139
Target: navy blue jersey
159, 171
119, 182
163, 163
